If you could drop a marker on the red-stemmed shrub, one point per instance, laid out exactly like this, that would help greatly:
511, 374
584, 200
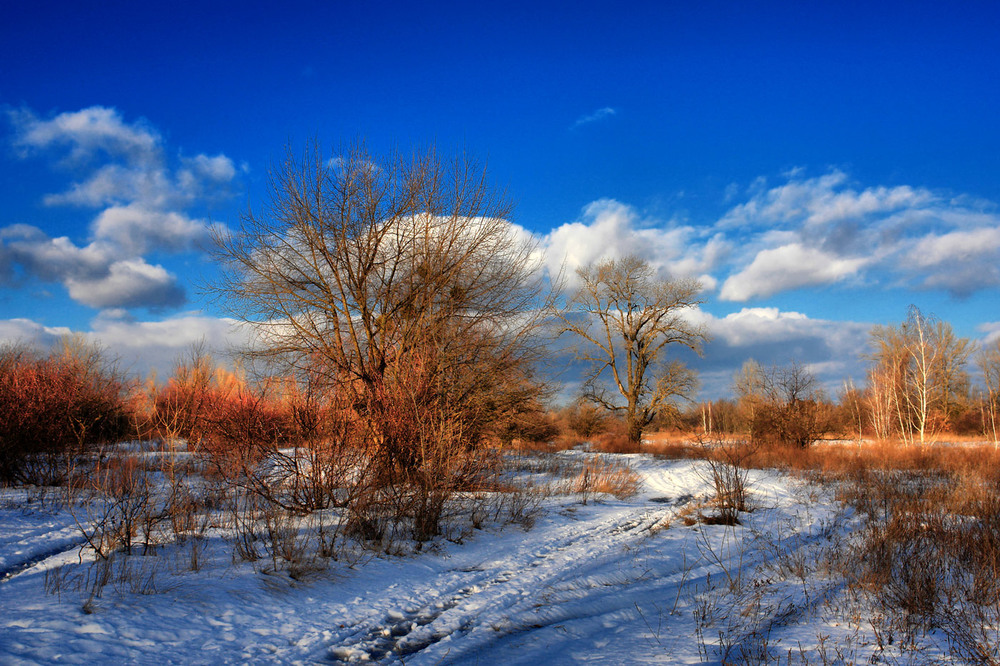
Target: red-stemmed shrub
55, 407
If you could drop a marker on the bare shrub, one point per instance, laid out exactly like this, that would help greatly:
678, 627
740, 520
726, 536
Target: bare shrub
126, 575
371, 517
613, 437
244, 427
225, 417
782, 404
519, 504
399, 284
529, 424
243, 519
180, 409
615, 442
286, 543
129, 506
728, 471
585, 419
312, 477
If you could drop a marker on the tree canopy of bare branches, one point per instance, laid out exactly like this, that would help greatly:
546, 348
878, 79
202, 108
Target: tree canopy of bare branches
780, 403
399, 280
57, 406
625, 318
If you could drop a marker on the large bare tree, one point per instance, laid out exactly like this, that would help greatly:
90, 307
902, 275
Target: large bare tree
401, 281
626, 317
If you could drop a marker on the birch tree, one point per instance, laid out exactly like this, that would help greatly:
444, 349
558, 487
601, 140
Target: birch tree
917, 367
989, 364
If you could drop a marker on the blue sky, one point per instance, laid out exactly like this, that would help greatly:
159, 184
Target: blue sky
819, 166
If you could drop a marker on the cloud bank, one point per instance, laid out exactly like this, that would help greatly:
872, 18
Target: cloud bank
136, 200
804, 233
822, 231
140, 346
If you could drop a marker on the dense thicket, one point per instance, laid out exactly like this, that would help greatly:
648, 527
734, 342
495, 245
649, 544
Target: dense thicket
56, 406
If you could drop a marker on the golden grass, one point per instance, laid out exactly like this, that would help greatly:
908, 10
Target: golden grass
964, 455
611, 477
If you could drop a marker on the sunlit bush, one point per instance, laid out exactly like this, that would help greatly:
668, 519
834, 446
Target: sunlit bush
55, 407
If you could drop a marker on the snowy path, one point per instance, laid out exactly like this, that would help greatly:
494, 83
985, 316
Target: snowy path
588, 583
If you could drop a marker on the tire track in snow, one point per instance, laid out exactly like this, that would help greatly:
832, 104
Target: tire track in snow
508, 586
12, 570
29, 548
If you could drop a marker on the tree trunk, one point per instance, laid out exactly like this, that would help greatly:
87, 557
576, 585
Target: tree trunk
635, 428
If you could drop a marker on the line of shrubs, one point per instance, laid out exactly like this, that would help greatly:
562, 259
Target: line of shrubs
73, 401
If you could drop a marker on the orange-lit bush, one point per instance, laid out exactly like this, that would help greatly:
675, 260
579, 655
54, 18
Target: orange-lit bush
57, 406
219, 413
243, 424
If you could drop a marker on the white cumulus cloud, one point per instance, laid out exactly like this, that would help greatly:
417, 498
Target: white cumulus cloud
86, 133
138, 230
142, 197
609, 229
788, 267
128, 283
819, 231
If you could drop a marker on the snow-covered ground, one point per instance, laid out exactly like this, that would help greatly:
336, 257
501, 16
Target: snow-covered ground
611, 581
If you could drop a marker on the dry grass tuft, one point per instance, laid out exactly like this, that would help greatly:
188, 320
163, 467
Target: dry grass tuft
601, 475
929, 554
